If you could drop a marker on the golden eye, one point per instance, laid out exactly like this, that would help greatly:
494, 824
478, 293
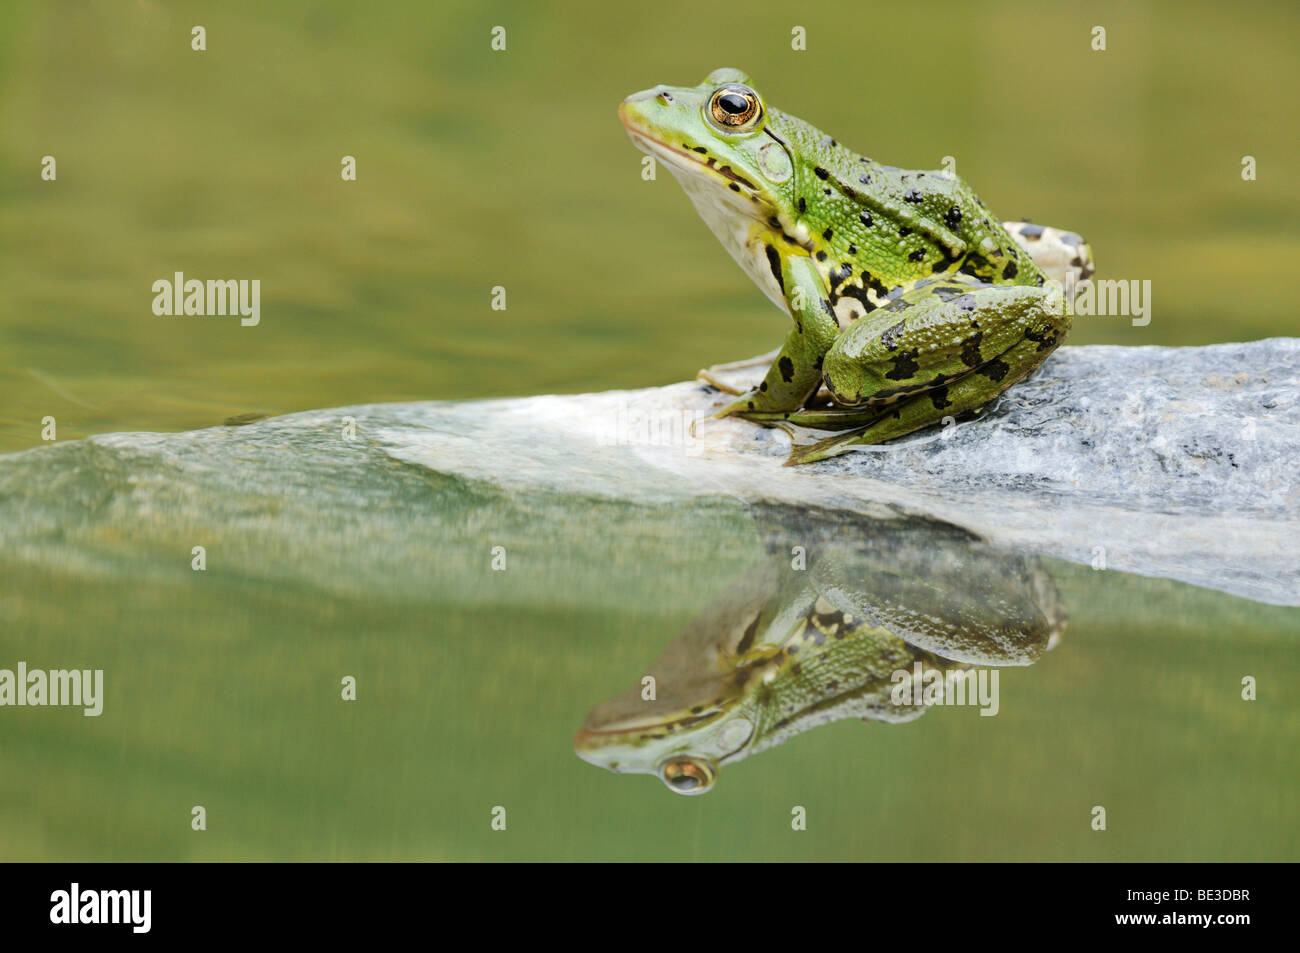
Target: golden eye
734, 106
688, 775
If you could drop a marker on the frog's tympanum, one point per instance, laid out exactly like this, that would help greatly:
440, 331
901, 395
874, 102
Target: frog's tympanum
911, 302
786, 648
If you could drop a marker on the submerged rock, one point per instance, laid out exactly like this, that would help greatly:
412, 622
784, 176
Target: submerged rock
1169, 462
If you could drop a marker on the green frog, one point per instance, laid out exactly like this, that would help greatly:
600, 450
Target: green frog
785, 649
911, 302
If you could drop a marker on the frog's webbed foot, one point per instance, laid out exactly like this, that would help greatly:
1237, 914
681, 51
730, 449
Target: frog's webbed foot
860, 436
713, 376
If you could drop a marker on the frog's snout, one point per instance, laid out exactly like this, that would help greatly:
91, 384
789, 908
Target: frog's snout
639, 106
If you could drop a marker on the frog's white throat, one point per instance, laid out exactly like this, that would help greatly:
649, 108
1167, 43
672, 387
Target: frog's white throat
737, 223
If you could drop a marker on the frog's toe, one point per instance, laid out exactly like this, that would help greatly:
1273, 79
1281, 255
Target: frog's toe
742, 404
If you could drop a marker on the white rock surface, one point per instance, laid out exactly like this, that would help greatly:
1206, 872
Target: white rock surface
1170, 462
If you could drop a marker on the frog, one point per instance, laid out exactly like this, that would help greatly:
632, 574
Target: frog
912, 304
787, 648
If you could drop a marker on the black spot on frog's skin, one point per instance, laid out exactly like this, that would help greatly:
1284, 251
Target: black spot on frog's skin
904, 366
853, 249
826, 306
1041, 279
821, 173
858, 294
774, 262
796, 668
970, 350
789, 240
821, 256
697, 709
826, 191
913, 196
904, 232
945, 262
975, 265
763, 384
952, 217
827, 141
726, 170
1011, 270
864, 179
939, 397
874, 284
747, 640
966, 302
995, 369
832, 685
803, 206
865, 218
1031, 233
827, 234
733, 186
786, 367
916, 255
1046, 339
700, 149
889, 336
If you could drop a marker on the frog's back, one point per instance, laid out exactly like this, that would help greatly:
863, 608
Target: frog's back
880, 230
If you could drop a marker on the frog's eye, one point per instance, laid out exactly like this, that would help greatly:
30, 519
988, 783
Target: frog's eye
735, 107
687, 775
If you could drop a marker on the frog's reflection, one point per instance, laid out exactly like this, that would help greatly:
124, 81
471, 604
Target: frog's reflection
848, 617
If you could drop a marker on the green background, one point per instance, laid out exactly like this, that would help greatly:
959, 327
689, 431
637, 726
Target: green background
479, 169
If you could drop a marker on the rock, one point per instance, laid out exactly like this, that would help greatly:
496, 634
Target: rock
1168, 462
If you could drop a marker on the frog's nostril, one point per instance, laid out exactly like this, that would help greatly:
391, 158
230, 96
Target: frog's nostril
666, 96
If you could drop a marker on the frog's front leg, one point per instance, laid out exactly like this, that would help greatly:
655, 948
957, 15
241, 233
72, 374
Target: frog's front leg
945, 350
797, 371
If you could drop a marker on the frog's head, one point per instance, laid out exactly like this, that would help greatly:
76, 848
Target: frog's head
683, 746
717, 139
701, 712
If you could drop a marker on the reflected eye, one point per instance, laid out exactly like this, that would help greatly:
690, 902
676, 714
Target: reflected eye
688, 775
735, 107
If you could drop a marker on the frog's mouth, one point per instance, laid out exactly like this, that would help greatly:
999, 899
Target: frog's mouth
699, 164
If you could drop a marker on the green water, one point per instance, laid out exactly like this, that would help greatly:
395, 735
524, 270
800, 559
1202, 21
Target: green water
478, 169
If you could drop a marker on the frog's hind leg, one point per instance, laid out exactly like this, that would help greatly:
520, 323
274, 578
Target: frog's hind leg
1056, 252
959, 401
942, 350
